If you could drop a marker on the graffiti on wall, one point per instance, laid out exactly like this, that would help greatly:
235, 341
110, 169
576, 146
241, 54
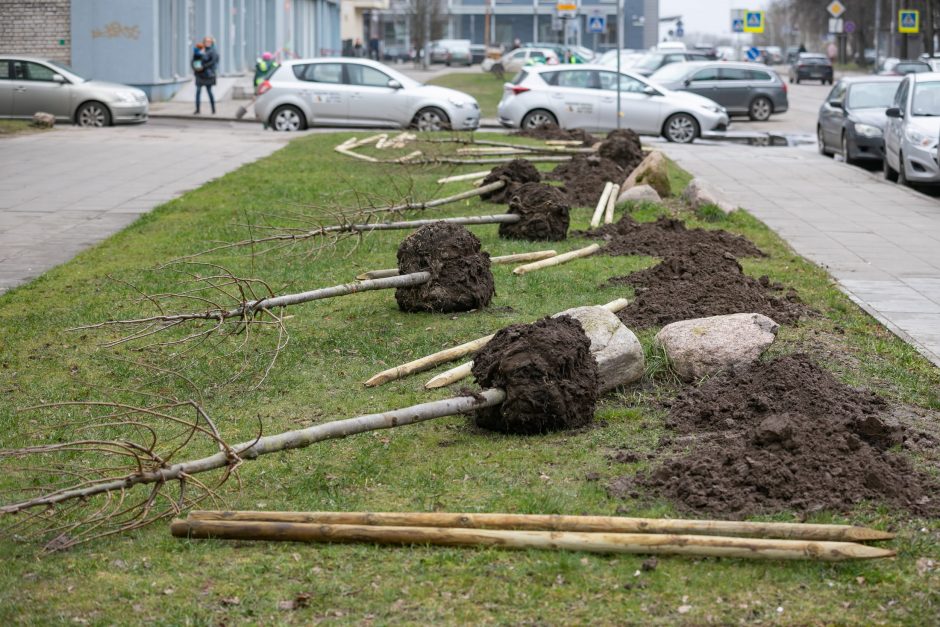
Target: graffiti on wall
115, 30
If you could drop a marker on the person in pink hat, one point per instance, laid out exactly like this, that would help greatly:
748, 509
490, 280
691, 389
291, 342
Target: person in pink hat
264, 67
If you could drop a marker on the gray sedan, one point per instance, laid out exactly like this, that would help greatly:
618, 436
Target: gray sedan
852, 119
29, 85
742, 88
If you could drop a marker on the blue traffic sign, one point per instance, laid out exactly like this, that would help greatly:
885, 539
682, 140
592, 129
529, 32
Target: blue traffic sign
754, 20
597, 24
753, 54
680, 32
737, 26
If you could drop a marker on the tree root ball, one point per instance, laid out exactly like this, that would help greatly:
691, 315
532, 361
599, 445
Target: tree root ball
544, 214
548, 372
514, 173
624, 147
461, 279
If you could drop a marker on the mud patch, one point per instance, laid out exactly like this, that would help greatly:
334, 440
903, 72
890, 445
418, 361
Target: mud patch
514, 173
783, 435
664, 236
461, 279
623, 147
549, 375
703, 281
585, 176
553, 132
544, 213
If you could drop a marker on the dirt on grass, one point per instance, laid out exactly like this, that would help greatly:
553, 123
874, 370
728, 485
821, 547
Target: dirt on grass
703, 281
665, 236
549, 375
584, 177
514, 173
623, 147
544, 213
461, 279
782, 435
552, 132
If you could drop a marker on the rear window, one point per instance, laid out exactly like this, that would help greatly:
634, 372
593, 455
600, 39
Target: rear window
320, 72
871, 95
814, 61
4, 69
521, 76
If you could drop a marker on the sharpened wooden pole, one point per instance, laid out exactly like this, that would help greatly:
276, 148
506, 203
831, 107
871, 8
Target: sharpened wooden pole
611, 204
560, 522
601, 205
462, 177
504, 259
666, 544
558, 259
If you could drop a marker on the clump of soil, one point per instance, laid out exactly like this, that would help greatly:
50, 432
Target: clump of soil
461, 279
664, 236
543, 210
549, 375
547, 132
514, 173
779, 436
584, 177
623, 147
703, 281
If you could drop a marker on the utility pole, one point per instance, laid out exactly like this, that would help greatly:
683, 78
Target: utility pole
619, 46
535, 20
877, 33
903, 54
426, 59
893, 28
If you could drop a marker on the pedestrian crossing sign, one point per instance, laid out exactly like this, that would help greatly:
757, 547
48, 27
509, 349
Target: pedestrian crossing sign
597, 24
908, 21
753, 21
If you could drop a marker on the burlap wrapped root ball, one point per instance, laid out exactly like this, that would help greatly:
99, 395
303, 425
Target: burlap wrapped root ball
544, 214
549, 375
461, 279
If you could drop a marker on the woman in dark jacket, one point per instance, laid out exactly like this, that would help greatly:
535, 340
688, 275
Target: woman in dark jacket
206, 77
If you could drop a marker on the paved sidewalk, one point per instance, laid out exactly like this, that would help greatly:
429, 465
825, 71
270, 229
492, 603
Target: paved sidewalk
880, 241
64, 190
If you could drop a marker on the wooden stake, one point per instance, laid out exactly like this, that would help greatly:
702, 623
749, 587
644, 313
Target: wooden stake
563, 142
704, 546
493, 151
611, 203
557, 522
557, 260
601, 205
504, 259
462, 177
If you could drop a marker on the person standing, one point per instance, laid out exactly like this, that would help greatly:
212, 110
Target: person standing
206, 77
264, 68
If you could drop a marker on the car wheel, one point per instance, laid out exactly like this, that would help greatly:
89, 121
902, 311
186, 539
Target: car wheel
797, 80
902, 177
537, 118
431, 119
681, 128
845, 150
821, 143
760, 109
888, 171
93, 114
287, 118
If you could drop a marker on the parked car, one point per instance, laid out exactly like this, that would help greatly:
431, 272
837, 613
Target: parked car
710, 51
477, 53
791, 54
905, 67
912, 133
29, 85
773, 55
652, 61
515, 60
741, 88
397, 53
585, 96
627, 59
811, 66
458, 53
441, 48
852, 119
358, 92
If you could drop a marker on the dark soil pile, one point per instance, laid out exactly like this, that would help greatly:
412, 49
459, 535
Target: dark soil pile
460, 271
623, 147
553, 132
703, 281
784, 435
543, 210
549, 375
664, 236
585, 176
514, 173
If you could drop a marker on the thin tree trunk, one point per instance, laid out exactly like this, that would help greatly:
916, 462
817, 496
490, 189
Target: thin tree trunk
500, 260
601, 205
558, 259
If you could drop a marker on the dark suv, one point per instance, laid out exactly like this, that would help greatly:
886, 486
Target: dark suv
809, 66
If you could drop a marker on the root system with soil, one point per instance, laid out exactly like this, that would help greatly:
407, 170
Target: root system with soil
623, 147
665, 236
544, 213
552, 132
514, 174
584, 178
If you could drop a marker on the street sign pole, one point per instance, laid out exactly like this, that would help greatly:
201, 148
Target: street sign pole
877, 33
619, 46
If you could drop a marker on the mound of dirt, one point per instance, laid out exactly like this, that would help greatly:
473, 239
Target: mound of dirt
461, 279
699, 282
543, 210
623, 147
514, 173
549, 375
664, 236
553, 132
584, 177
783, 435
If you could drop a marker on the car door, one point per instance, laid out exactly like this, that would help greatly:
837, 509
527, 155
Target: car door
574, 97
704, 83
35, 90
895, 126
371, 100
6, 89
831, 116
325, 91
515, 61
641, 111
734, 90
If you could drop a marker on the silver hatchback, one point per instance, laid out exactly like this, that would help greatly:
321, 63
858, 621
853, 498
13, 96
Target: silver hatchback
912, 133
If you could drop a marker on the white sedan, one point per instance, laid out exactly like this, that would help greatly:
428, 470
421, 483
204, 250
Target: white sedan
585, 96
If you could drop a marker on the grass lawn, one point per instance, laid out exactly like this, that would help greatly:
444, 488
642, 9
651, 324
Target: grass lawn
445, 464
17, 127
485, 87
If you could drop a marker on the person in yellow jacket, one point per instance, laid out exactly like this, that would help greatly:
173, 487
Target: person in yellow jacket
264, 67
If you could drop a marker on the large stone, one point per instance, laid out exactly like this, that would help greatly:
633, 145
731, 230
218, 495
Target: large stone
640, 193
43, 120
652, 171
698, 194
704, 346
618, 352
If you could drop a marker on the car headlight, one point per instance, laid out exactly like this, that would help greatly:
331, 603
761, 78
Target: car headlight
125, 96
867, 130
713, 108
460, 104
918, 138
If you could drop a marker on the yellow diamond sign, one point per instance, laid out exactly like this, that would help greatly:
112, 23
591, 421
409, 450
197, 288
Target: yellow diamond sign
836, 8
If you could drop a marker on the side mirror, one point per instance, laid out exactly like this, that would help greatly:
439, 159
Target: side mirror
393, 84
649, 91
836, 104
894, 112
687, 82
58, 78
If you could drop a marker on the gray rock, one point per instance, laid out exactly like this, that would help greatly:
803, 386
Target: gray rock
652, 171
616, 349
704, 346
43, 120
639, 193
698, 193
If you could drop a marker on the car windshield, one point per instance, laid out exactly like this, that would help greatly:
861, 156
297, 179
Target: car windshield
670, 73
649, 62
66, 68
926, 101
871, 95
814, 60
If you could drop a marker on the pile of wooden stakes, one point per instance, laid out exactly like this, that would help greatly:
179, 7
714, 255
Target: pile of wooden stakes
593, 534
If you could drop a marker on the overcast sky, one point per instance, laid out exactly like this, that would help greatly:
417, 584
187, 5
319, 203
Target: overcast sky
707, 16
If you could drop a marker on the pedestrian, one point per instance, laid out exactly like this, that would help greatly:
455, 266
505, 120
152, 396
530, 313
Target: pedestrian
206, 76
264, 67
357, 48
802, 49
